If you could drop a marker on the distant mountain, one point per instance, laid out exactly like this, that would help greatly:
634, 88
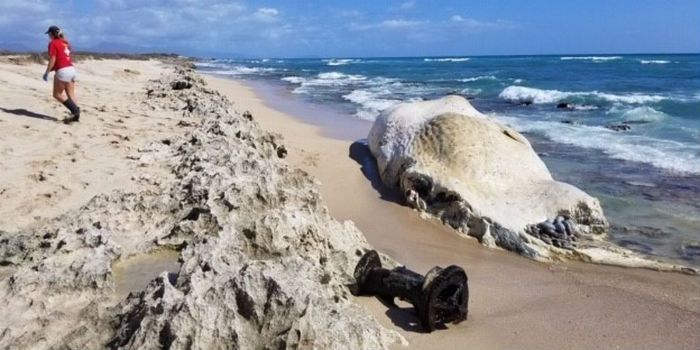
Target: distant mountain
19, 47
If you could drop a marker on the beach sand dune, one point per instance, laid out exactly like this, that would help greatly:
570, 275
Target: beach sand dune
48, 168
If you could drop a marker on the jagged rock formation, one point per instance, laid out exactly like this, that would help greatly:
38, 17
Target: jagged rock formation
484, 179
263, 265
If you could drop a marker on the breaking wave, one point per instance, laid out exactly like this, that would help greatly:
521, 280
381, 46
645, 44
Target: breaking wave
481, 77
370, 103
654, 62
640, 115
523, 94
667, 154
449, 59
241, 70
328, 79
340, 61
591, 58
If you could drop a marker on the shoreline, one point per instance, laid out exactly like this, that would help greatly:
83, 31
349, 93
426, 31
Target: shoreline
527, 298
650, 210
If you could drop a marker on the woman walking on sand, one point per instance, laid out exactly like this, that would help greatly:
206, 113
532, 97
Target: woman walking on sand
64, 79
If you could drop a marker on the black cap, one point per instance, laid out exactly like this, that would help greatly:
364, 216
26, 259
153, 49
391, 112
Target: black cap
53, 30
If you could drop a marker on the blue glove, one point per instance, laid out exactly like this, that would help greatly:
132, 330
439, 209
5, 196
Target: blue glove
46, 77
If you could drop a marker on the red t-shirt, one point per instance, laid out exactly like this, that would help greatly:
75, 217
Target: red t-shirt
61, 50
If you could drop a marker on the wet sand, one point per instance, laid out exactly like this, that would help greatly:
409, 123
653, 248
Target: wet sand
515, 302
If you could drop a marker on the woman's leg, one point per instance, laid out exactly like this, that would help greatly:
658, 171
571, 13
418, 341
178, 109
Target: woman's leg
71, 101
70, 91
58, 88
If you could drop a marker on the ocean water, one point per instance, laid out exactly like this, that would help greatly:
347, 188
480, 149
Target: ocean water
647, 175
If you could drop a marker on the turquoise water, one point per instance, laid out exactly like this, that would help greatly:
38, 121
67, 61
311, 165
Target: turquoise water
647, 175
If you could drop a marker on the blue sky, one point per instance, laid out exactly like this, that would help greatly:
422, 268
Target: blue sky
358, 28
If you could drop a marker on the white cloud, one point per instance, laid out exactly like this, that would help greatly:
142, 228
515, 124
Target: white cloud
471, 23
399, 23
393, 24
407, 5
269, 12
195, 26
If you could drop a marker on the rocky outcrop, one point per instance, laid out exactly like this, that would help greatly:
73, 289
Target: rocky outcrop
263, 265
484, 179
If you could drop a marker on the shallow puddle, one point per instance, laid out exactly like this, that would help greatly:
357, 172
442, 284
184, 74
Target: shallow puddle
133, 274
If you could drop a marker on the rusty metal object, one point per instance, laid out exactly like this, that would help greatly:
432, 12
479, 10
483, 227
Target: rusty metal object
439, 297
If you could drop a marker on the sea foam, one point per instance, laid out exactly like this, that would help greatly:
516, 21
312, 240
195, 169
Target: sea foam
642, 115
523, 94
481, 77
591, 58
449, 59
654, 62
327, 79
675, 156
340, 61
242, 70
371, 105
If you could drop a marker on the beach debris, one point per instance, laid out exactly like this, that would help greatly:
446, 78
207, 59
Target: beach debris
439, 297
247, 115
484, 179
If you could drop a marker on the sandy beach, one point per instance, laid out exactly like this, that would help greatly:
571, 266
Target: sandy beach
515, 302
48, 169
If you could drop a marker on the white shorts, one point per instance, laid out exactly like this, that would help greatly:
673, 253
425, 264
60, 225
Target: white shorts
66, 74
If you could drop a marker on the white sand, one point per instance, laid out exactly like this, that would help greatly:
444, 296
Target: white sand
46, 167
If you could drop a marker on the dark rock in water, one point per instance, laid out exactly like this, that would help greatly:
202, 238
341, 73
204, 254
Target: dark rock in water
565, 105
619, 127
649, 196
646, 231
571, 122
690, 251
636, 246
640, 184
180, 85
525, 103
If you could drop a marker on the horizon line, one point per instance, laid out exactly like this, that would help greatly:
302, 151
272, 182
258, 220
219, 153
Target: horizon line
238, 56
